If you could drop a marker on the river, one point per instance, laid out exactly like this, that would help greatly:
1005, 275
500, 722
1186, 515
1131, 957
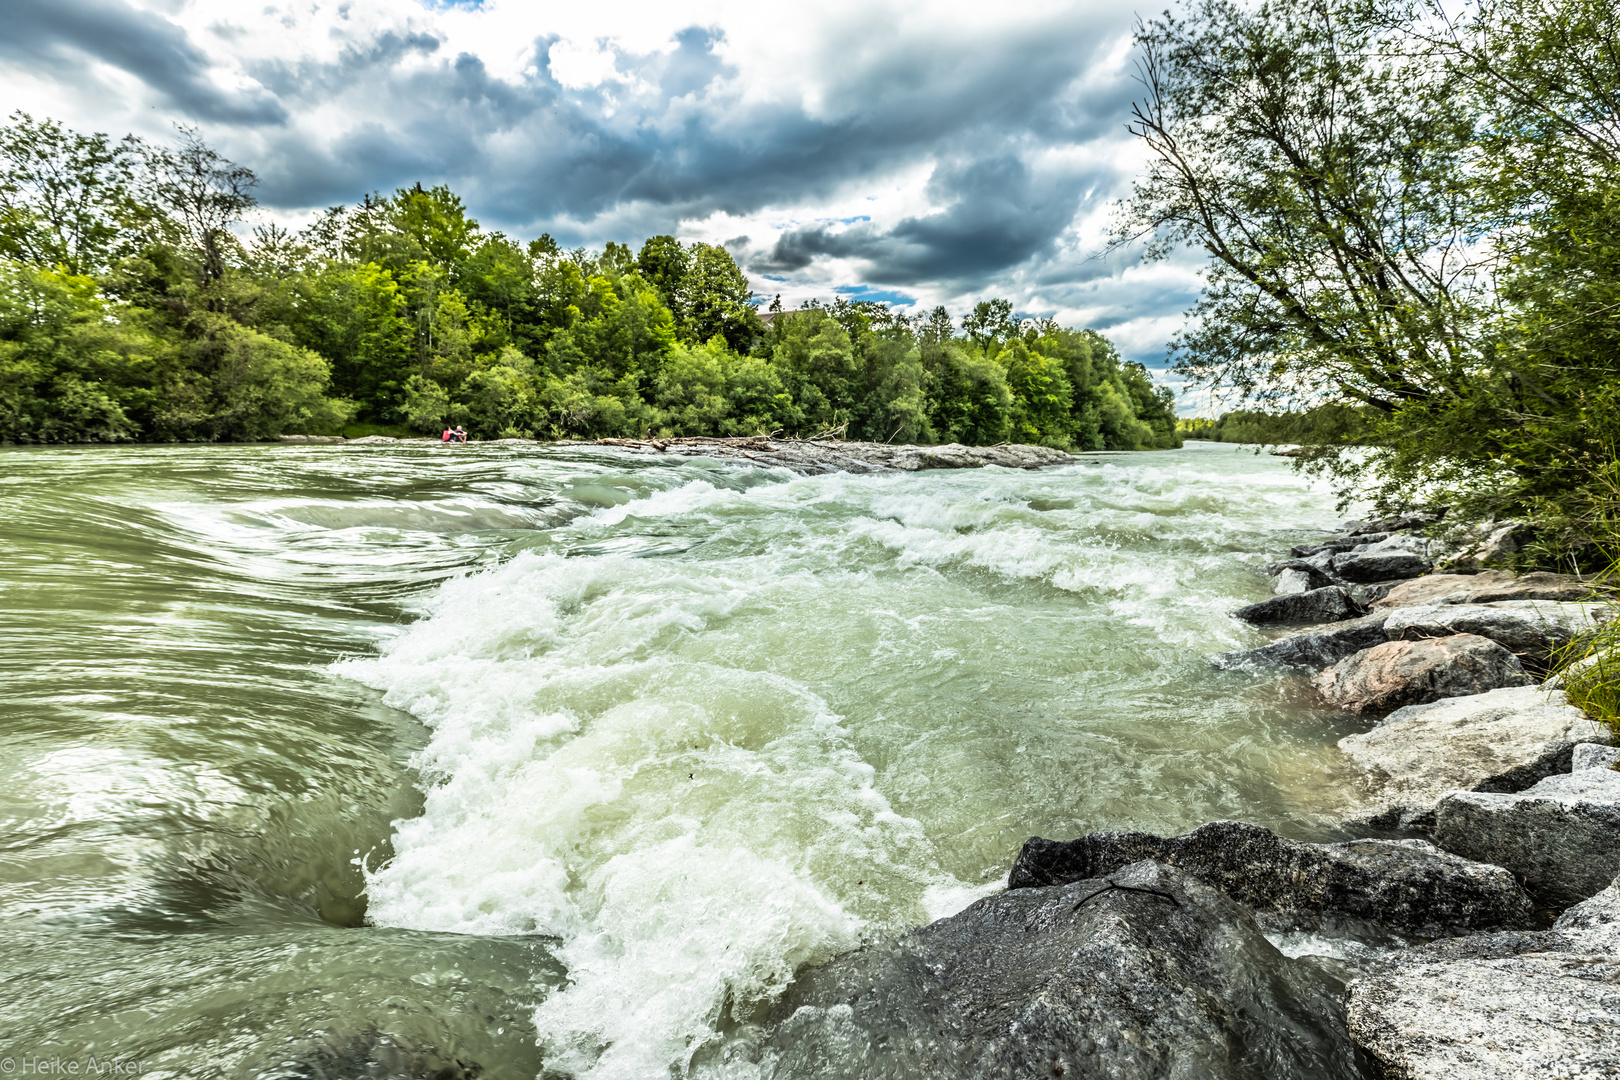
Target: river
526, 759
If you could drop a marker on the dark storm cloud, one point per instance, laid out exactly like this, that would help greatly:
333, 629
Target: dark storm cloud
63, 34
531, 154
997, 215
677, 140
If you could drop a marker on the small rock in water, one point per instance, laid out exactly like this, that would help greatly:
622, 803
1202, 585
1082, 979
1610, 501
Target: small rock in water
1387, 677
1501, 740
1144, 973
1561, 836
1316, 606
1408, 886
1500, 1005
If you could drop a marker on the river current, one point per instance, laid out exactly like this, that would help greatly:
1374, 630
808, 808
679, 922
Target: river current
562, 761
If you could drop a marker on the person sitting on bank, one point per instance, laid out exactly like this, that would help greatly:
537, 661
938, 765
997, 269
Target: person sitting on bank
461, 433
448, 436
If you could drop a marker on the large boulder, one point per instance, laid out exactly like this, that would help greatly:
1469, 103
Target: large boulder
1561, 836
1316, 606
1387, 677
1530, 628
1408, 886
1144, 973
1315, 649
1500, 1005
1502, 740
1387, 565
1485, 587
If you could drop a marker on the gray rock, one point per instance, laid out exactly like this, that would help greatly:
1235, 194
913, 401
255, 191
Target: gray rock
1143, 974
1499, 741
1395, 674
1315, 575
1407, 886
1593, 756
1392, 523
1538, 1015
1291, 582
1366, 566
1333, 547
1561, 836
1314, 649
1594, 922
1317, 606
1532, 1005
1486, 587
1530, 628
1394, 542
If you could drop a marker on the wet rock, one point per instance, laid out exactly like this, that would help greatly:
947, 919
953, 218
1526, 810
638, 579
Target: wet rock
1316, 606
1331, 547
1530, 628
1593, 756
1144, 973
1499, 1005
1314, 576
1561, 836
1387, 677
1293, 582
1485, 587
1499, 741
1408, 886
1314, 649
1368, 566
307, 439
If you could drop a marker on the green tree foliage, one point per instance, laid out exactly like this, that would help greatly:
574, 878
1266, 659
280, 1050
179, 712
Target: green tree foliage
147, 317
1410, 216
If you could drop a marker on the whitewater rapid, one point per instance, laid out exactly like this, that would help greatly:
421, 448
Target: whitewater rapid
728, 722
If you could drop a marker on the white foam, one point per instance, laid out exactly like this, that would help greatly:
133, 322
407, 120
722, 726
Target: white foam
691, 832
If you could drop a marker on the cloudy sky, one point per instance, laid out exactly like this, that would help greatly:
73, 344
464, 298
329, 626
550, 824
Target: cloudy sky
921, 153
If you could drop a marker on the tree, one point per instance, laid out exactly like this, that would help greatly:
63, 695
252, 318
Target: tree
989, 322
68, 199
713, 298
206, 193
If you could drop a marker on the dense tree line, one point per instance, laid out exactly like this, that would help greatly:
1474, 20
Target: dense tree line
1410, 213
131, 309
1326, 425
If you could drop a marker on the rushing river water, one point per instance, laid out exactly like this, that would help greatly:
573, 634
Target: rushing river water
563, 761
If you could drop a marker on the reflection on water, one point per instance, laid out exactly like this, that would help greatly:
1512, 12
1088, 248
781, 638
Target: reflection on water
316, 757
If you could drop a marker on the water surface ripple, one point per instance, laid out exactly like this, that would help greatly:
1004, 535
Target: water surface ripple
561, 760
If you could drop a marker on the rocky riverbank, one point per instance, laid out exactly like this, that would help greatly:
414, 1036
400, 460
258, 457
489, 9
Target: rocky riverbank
805, 456
1473, 932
